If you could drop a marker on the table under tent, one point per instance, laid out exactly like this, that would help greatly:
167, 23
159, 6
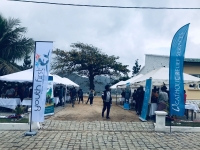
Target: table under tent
160, 77
120, 86
24, 78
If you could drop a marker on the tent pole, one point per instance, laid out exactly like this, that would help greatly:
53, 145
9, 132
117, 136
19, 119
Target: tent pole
116, 95
32, 133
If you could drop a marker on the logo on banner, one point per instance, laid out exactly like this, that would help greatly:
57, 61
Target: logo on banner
39, 61
176, 84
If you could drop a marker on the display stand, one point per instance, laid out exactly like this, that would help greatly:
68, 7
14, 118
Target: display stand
30, 132
126, 106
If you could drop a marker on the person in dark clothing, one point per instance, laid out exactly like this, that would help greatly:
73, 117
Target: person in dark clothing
107, 101
26, 91
31, 92
61, 96
154, 95
56, 92
80, 95
123, 96
140, 99
64, 95
90, 97
127, 94
73, 96
134, 98
21, 92
136, 101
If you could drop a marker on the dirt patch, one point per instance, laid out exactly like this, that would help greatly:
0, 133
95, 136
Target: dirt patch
85, 112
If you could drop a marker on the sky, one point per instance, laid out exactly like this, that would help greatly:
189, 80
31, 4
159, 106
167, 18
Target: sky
127, 33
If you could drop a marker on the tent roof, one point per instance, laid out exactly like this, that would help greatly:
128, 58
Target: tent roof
22, 76
131, 81
27, 76
69, 82
115, 85
162, 75
122, 84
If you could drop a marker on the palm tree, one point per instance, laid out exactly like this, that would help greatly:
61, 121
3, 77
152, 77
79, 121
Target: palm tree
14, 46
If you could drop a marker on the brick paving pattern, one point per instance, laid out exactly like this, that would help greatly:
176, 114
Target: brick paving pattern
101, 135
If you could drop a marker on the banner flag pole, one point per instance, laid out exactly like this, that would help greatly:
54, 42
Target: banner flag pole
176, 81
42, 57
147, 96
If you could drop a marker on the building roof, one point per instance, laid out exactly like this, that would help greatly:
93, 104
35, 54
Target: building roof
195, 60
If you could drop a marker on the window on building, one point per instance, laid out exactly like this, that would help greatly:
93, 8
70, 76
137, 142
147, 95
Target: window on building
194, 86
196, 75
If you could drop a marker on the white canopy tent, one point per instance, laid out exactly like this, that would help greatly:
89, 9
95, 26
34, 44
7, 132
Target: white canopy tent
27, 76
57, 79
160, 76
115, 85
131, 81
122, 84
22, 76
69, 82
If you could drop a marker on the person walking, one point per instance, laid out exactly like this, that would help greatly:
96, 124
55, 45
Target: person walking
73, 96
107, 101
91, 97
127, 94
123, 96
140, 99
80, 95
60, 93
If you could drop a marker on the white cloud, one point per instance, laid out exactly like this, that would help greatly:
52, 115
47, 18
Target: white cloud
128, 33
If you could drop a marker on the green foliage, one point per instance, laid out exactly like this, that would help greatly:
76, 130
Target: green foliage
27, 62
87, 60
13, 44
19, 110
136, 68
11, 120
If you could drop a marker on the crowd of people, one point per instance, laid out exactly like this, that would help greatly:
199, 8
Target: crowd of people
15, 90
71, 94
136, 98
160, 96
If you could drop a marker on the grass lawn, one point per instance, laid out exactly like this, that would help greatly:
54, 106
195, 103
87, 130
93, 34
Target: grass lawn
188, 124
9, 120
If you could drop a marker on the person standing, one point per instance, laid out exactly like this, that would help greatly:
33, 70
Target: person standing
107, 101
73, 96
80, 95
123, 96
10, 92
162, 100
127, 94
134, 99
185, 96
140, 99
61, 96
91, 97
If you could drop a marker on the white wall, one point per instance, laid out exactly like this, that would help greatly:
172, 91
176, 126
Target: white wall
154, 62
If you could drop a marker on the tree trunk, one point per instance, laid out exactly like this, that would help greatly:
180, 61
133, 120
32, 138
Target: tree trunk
91, 79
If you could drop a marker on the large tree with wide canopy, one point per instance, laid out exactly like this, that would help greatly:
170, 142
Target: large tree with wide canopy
87, 60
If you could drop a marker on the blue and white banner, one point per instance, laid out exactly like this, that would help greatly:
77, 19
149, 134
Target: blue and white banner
176, 81
42, 58
49, 106
147, 97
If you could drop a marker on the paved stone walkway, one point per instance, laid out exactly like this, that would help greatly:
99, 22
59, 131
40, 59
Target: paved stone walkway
103, 135
56, 140
52, 125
